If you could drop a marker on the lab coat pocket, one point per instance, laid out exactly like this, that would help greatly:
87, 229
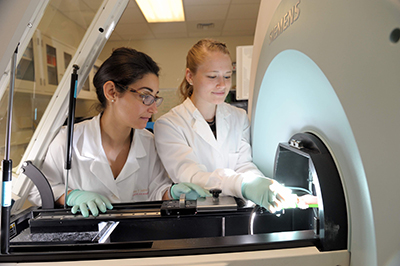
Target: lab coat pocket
233, 158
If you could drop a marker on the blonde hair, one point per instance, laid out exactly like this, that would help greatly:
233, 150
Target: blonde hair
195, 58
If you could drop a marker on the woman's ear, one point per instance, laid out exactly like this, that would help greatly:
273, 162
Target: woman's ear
189, 76
110, 92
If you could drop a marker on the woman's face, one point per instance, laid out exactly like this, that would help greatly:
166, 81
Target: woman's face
212, 81
129, 107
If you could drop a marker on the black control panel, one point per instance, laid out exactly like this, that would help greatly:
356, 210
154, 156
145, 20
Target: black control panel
178, 207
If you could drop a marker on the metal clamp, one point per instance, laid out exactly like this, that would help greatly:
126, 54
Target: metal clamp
296, 144
182, 201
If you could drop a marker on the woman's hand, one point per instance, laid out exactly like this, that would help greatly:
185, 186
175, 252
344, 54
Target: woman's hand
266, 192
84, 201
191, 191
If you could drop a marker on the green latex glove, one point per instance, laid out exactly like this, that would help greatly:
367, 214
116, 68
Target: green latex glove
266, 192
85, 200
192, 191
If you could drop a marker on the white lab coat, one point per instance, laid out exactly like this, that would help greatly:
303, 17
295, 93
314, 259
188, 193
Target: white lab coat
142, 178
190, 152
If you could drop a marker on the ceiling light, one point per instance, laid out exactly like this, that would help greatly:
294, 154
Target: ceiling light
162, 10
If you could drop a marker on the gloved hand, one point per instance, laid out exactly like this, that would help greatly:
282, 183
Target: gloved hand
80, 201
266, 192
307, 201
192, 191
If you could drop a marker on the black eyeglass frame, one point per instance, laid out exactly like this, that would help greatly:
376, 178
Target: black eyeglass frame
145, 97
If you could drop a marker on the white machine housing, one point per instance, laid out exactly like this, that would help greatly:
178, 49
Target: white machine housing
331, 68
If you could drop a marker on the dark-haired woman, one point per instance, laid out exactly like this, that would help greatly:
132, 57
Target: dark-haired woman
113, 158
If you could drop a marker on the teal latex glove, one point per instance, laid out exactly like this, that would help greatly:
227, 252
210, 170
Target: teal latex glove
266, 192
192, 191
85, 200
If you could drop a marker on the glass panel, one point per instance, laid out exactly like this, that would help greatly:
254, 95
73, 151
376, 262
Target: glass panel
51, 65
94, 71
86, 86
38, 74
89, 82
25, 68
95, 68
67, 59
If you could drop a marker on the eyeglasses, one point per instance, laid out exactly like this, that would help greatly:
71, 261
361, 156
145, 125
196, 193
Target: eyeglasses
147, 99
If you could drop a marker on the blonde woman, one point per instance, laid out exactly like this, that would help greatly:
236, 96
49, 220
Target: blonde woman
206, 141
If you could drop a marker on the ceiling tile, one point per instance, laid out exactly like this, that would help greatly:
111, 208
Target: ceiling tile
130, 31
70, 5
192, 25
230, 18
243, 11
82, 18
132, 4
205, 34
115, 37
240, 25
205, 13
94, 5
171, 27
132, 15
164, 35
238, 33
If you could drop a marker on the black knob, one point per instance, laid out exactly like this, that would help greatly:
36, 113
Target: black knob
215, 192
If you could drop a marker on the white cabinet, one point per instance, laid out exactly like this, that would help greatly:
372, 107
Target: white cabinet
39, 71
26, 73
43, 65
56, 57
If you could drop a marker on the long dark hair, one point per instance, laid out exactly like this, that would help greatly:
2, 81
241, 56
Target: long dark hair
124, 67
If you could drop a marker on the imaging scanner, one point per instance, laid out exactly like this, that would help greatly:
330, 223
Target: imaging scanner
325, 117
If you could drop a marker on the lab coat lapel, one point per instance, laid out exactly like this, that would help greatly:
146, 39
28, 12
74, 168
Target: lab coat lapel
90, 145
200, 125
101, 169
223, 125
136, 151
91, 148
202, 129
